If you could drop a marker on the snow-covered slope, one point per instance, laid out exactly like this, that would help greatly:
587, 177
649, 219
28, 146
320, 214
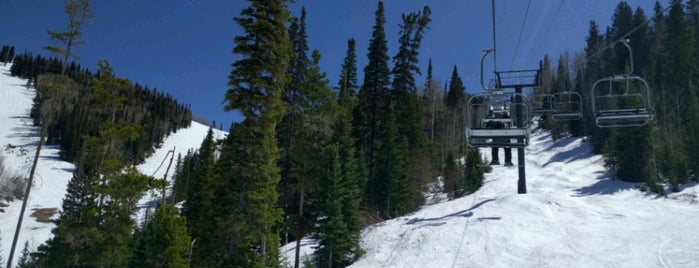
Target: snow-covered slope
52, 175
574, 215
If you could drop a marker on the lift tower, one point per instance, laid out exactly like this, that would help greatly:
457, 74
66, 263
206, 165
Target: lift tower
518, 80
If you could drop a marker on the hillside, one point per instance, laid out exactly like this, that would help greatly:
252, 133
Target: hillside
574, 215
18, 140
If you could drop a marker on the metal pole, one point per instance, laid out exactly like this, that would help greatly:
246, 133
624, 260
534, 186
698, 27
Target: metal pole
522, 181
24, 202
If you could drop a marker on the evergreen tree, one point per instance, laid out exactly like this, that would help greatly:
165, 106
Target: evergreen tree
198, 209
348, 76
455, 100
11, 55
404, 88
372, 105
397, 197
293, 95
4, 54
79, 13
249, 159
24, 260
452, 176
594, 69
316, 108
166, 240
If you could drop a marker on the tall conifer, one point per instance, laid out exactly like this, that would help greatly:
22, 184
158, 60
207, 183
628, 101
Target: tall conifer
372, 103
249, 163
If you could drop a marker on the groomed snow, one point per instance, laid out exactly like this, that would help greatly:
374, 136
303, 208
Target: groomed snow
574, 215
52, 175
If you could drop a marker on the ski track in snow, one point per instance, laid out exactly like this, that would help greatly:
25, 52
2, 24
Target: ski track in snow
52, 175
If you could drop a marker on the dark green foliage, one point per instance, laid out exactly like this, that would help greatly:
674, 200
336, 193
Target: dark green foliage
248, 164
394, 178
25, 260
199, 208
455, 100
665, 54
372, 104
348, 76
71, 109
164, 241
95, 226
11, 55
5, 54
452, 177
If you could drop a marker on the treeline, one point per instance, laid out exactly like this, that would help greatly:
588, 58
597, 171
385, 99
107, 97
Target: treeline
7, 54
72, 106
666, 55
310, 160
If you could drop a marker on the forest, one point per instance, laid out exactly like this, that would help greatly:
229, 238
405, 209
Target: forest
311, 159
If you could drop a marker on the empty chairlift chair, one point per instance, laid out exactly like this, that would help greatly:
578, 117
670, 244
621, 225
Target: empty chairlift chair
542, 104
622, 100
567, 106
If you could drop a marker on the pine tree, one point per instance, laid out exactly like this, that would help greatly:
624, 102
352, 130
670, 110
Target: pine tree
455, 100
293, 95
404, 89
4, 54
317, 107
372, 104
340, 194
249, 159
79, 13
397, 195
25, 259
348, 76
11, 55
166, 240
198, 209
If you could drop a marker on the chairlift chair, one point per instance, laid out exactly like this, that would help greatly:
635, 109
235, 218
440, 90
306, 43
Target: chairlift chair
542, 104
622, 100
479, 113
567, 106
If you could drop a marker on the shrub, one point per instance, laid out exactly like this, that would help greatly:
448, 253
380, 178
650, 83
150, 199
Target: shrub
12, 186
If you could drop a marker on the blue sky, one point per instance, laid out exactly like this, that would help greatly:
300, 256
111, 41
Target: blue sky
183, 47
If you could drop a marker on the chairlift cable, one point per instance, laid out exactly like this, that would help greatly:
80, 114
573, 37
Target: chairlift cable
519, 38
548, 29
495, 47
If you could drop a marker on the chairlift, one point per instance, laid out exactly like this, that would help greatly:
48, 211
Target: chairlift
542, 104
567, 106
622, 100
485, 107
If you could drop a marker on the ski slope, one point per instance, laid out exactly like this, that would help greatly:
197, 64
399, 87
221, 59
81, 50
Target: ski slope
52, 175
574, 215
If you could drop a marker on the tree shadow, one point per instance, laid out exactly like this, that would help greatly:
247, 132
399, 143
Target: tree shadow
606, 184
464, 213
569, 156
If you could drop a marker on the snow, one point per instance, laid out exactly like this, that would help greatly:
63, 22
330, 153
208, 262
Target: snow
52, 174
574, 215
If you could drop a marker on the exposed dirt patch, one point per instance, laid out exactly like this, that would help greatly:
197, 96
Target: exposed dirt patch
44, 214
3, 205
